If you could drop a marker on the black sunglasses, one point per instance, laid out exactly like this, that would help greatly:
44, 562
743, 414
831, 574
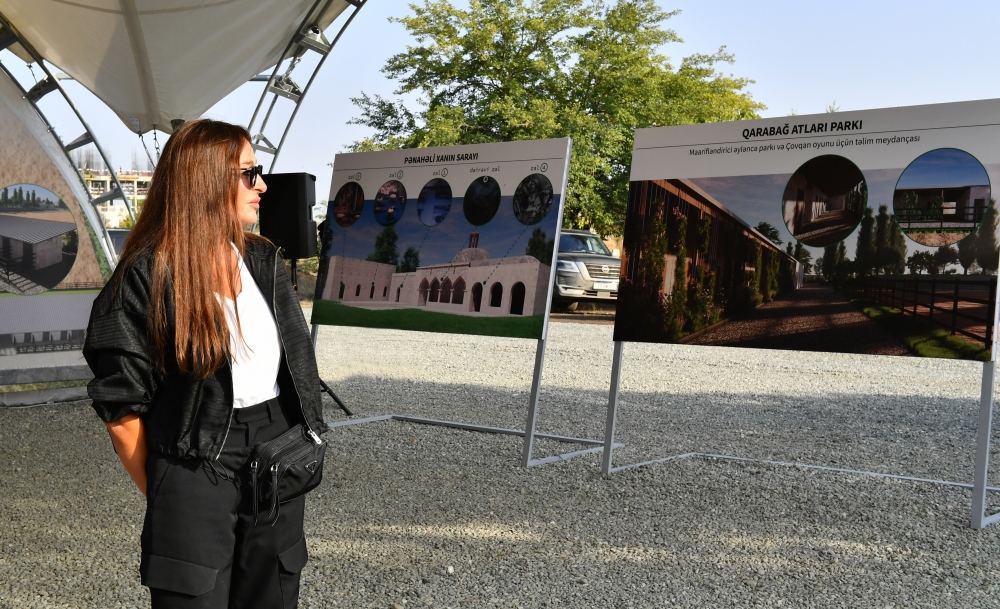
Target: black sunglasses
250, 174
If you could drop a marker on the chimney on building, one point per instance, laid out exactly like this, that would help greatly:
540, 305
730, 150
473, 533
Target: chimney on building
473, 240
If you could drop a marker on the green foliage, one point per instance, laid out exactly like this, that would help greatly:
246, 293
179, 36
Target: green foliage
889, 244
677, 313
385, 247
967, 252
844, 267
592, 70
864, 255
540, 247
410, 261
803, 255
770, 232
770, 290
516, 326
755, 288
986, 243
922, 338
102, 261
702, 309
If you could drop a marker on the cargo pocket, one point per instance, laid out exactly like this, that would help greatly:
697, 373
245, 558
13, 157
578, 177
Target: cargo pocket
290, 564
173, 575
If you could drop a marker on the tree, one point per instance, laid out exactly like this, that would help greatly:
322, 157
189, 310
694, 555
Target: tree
592, 70
844, 267
385, 247
770, 232
918, 262
803, 255
410, 261
864, 255
986, 243
943, 257
540, 247
967, 252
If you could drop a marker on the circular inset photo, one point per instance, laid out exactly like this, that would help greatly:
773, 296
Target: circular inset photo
941, 197
532, 199
482, 200
38, 239
824, 200
434, 202
390, 202
348, 203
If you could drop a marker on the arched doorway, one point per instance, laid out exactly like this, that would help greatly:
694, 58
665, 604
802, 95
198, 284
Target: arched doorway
435, 290
458, 291
422, 292
340, 295
446, 290
517, 299
496, 294
477, 297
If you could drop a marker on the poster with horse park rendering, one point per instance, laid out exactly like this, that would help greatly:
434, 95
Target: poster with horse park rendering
855, 232
458, 239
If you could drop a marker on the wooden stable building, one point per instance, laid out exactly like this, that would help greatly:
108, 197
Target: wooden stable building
747, 267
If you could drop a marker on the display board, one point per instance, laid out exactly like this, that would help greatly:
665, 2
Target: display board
844, 232
52, 263
457, 239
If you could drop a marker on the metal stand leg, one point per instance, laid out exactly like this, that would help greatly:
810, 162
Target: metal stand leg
609, 426
979, 518
536, 381
326, 388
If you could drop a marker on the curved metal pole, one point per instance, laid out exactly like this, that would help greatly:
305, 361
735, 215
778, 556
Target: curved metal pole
284, 55
305, 90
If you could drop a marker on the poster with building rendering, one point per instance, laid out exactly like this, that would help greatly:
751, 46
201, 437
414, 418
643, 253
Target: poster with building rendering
456, 239
856, 232
53, 261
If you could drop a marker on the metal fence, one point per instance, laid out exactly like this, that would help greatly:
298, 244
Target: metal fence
958, 303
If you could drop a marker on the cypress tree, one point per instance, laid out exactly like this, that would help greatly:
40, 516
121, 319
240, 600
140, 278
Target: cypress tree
967, 252
986, 243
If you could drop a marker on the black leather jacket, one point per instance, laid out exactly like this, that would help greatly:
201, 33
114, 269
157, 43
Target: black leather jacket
186, 417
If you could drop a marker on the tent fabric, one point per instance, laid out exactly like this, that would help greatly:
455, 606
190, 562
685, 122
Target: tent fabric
154, 61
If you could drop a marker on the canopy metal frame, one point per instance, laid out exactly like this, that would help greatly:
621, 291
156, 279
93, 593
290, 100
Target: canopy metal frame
280, 85
50, 84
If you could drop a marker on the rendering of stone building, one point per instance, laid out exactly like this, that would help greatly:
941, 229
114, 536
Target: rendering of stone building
472, 283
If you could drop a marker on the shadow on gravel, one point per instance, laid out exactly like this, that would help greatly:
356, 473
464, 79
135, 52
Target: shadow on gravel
425, 517
913, 435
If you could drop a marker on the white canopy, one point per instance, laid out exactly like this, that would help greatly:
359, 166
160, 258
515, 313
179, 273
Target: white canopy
153, 61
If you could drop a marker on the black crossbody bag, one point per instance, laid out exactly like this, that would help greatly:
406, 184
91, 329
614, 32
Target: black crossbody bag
284, 468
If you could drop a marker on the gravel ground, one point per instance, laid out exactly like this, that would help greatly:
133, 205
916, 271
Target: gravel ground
418, 516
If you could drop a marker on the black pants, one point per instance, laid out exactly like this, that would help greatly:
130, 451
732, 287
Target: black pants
199, 547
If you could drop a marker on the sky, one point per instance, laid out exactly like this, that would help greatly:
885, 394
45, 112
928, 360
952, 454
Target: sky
803, 57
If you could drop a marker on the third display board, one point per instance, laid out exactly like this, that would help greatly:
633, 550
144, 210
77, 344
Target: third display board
458, 239
855, 232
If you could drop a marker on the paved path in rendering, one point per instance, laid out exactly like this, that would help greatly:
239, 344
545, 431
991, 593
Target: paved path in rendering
814, 318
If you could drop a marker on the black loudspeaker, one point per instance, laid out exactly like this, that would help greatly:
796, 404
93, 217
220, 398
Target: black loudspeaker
285, 214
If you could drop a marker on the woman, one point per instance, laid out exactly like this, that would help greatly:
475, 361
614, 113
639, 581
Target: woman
200, 351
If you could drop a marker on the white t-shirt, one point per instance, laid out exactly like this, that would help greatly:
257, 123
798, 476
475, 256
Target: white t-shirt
256, 355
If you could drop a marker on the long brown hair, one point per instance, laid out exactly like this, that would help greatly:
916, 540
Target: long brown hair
187, 223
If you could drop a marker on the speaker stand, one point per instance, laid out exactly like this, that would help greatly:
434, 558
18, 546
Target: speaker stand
295, 286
